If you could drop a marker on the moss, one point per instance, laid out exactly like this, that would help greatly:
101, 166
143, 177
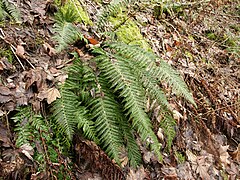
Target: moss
226, 40
39, 40
235, 27
211, 36
189, 55
7, 53
127, 31
180, 157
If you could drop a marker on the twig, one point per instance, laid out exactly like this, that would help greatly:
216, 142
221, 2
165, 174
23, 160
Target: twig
30, 63
2, 36
13, 49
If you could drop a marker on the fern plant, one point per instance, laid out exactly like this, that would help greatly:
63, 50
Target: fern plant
110, 100
105, 97
9, 10
33, 130
65, 31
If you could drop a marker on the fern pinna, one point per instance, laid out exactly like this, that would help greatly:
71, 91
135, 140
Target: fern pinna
105, 98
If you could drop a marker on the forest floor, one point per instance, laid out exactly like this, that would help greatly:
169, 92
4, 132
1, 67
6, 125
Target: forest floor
201, 40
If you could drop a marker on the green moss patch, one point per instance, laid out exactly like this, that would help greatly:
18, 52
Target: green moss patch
127, 31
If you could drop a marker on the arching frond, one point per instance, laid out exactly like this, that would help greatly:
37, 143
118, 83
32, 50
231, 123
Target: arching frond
148, 61
8, 9
122, 80
65, 31
105, 110
64, 112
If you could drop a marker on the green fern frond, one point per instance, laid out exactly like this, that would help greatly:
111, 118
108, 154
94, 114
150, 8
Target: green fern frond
65, 32
105, 110
68, 111
34, 131
133, 150
168, 125
111, 89
2, 12
8, 9
86, 124
166, 73
122, 79
64, 112
149, 83
148, 61
23, 128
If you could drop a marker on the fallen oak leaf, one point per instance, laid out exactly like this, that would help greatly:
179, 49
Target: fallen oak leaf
52, 95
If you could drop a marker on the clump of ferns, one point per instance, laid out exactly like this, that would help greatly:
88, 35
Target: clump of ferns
105, 97
33, 131
9, 10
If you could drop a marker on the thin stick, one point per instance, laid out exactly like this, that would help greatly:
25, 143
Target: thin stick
12, 48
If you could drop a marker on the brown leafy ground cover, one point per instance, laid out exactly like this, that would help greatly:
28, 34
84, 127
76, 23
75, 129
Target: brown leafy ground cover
201, 41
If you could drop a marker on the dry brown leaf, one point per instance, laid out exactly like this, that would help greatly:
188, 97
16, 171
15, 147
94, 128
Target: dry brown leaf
4, 99
177, 115
224, 154
49, 49
202, 168
9, 106
62, 78
191, 156
160, 134
27, 150
37, 76
184, 171
169, 172
4, 136
233, 171
236, 154
52, 95
1, 66
5, 91
140, 174
54, 71
148, 156
20, 51
1, 113
4, 64
42, 94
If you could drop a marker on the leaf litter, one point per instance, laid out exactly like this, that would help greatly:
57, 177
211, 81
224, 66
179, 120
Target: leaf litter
201, 41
